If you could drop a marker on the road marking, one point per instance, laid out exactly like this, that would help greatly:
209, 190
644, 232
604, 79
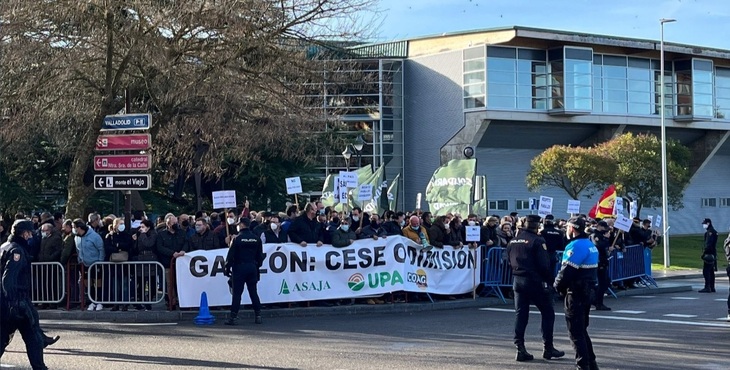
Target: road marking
630, 312
52, 322
643, 296
622, 318
679, 315
720, 300
685, 298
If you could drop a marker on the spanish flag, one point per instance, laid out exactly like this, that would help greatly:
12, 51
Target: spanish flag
604, 207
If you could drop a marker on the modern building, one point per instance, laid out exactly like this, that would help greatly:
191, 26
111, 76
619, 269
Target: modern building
513, 92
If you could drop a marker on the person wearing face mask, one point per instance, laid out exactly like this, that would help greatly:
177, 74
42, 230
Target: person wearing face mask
16, 307
488, 233
245, 258
709, 256
275, 234
358, 220
145, 250
264, 225
504, 233
170, 244
90, 249
438, 232
118, 240
576, 279
395, 225
373, 231
554, 240
344, 235
203, 238
230, 222
51, 244
416, 232
305, 229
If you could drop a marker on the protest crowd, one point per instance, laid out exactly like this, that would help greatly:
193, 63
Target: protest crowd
84, 242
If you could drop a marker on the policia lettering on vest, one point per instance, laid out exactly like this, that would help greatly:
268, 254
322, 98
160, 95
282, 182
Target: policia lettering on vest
533, 281
576, 279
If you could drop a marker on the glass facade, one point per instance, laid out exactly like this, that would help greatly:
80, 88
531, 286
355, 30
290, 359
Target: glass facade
575, 80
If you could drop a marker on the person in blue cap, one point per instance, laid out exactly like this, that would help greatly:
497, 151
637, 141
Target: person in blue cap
576, 279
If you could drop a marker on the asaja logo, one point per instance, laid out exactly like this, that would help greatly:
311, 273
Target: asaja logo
304, 286
284, 289
419, 278
356, 282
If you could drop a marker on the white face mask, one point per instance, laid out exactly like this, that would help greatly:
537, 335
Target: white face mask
446, 226
403, 223
274, 226
356, 218
705, 226
231, 220
121, 228
73, 231
472, 223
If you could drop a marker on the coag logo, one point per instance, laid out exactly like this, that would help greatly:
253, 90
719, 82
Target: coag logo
419, 278
356, 282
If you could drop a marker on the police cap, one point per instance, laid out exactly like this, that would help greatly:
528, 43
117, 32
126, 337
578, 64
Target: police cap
244, 221
577, 222
21, 226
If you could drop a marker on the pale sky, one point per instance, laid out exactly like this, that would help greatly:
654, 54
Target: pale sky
699, 22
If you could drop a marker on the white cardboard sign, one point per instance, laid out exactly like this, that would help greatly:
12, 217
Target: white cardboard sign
633, 209
623, 223
344, 198
618, 205
224, 199
546, 206
365, 192
658, 222
573, 206
294, 185
350, 178
473, 233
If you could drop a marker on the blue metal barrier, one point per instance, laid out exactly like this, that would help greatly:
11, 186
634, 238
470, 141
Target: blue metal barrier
630, 264
495, 268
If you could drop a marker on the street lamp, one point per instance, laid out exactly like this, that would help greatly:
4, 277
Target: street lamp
665, 201
358, 145
347, 154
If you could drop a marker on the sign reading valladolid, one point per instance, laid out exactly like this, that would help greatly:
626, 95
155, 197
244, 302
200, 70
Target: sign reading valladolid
291, 273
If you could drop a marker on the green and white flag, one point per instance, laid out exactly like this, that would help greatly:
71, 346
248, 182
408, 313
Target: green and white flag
452, 187
393, 193
374, 179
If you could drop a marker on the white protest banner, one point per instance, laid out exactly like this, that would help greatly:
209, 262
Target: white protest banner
294, 185
350, 178
365, 192
622, 223
573, 206
344, 194
618, 205
291, 273
633, 209
651, 219
546, 206
418, 201
473, 233
224, 199
658, 222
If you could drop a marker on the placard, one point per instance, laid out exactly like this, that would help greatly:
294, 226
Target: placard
349, 178
473, 233
418, 201
365, 192
618, 205
294, 185
336, 180
573, 206
546, 206
658, 222
651, 219
224, 199
623, 223
633, 209
344, 198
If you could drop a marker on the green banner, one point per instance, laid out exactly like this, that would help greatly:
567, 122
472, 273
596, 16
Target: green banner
393, 193
451, 188
373, 179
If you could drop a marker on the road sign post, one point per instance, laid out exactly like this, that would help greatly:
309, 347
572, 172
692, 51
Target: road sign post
123, 142
123, 162
136, 121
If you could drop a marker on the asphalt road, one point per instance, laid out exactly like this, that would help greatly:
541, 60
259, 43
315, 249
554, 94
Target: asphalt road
665, 331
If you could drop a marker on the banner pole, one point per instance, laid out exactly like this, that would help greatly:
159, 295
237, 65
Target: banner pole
474, 276
228, 232
620, 232
296, 200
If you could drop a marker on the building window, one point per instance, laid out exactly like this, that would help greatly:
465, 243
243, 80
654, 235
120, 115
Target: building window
516, 78
498, 205
474, 79
724, 202
722, 93
702, 87
571, 82
709, 202
521, 205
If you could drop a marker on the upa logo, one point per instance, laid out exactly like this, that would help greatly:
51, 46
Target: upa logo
356, 282
419, 278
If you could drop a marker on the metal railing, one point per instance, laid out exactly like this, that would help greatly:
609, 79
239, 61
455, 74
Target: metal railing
48, 282
132, 282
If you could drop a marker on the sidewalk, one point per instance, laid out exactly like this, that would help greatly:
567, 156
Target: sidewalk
660, 275
669, 282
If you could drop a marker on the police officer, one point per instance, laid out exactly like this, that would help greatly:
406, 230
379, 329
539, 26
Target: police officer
15, 295
245, 257
576, 279
527, 255
554, 240
601, 238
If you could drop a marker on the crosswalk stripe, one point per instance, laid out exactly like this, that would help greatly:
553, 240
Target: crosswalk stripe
685, 298
630, 312
643, 296
679, 315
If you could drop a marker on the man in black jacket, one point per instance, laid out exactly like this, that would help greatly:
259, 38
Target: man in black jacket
306, 229
244, 259
709, 256
554, 240
601, 238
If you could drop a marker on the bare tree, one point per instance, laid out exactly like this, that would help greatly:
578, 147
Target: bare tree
222, 78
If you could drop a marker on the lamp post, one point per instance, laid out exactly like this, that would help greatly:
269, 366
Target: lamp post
347, 154
358, 145
665, 200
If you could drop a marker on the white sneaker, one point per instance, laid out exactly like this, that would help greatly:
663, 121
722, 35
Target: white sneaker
99, 307
728, 317
91, 307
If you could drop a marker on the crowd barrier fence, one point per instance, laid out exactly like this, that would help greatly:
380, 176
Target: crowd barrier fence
132, 282
48, 282
629, 264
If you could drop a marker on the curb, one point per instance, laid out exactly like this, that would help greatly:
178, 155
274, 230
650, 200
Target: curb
246, 314
677, 277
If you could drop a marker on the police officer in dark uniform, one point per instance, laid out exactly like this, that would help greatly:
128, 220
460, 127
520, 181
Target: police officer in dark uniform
17, 312
533, 279
554, 240
245, 257
576, 279
601, 238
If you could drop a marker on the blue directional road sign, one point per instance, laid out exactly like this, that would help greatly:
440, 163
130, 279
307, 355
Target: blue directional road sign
136, 121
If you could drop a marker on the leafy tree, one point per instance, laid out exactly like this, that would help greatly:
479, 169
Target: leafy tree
223, 79
638, 170
576, 170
